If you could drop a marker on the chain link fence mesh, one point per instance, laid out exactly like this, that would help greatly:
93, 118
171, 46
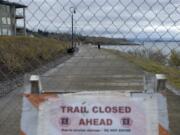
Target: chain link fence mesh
144, 28
150, 25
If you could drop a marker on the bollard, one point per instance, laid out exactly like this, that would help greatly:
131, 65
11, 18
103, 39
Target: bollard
35, 84
149, 83
160, 82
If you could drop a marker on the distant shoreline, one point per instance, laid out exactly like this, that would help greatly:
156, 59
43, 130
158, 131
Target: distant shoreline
128, 44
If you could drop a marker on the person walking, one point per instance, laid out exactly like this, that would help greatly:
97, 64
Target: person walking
99, 46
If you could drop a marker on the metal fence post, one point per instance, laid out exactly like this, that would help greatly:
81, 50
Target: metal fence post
160, 82
35, 84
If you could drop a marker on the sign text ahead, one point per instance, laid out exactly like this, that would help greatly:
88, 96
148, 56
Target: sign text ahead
98, 115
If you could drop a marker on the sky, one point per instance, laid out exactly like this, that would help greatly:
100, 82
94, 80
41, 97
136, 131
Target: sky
139, 19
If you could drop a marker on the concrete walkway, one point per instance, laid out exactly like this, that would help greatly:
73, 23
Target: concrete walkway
93, 69
89, 69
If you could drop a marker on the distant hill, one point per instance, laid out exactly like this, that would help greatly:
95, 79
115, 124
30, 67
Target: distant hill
80, 38
105, 40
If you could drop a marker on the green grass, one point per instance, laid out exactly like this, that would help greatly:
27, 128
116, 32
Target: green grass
175, 58
173, 74
19, 54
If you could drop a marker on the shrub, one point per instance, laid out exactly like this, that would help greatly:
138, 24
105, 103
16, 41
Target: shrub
175, 58
154, 55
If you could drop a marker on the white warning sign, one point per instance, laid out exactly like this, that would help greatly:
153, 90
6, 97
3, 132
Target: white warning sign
96, 114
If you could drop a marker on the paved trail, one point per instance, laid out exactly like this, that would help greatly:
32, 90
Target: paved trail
93, 69
89, 69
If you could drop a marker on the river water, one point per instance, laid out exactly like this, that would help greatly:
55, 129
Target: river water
164, 47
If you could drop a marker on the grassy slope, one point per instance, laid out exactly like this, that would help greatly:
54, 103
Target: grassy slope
172, 73
19, 54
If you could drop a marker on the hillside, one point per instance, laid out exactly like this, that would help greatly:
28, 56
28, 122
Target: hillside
80, 38
105, 41
20, 54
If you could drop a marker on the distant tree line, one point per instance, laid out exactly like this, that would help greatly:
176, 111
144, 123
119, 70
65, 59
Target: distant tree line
79, 38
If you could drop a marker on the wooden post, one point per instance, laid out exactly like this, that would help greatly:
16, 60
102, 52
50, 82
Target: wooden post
160, 82
35, 84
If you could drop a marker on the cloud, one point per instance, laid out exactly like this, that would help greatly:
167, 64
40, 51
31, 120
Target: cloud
126, 18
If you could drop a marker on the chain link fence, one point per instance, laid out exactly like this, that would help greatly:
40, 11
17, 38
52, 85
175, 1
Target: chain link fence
136, 20
123, 29
148, 27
